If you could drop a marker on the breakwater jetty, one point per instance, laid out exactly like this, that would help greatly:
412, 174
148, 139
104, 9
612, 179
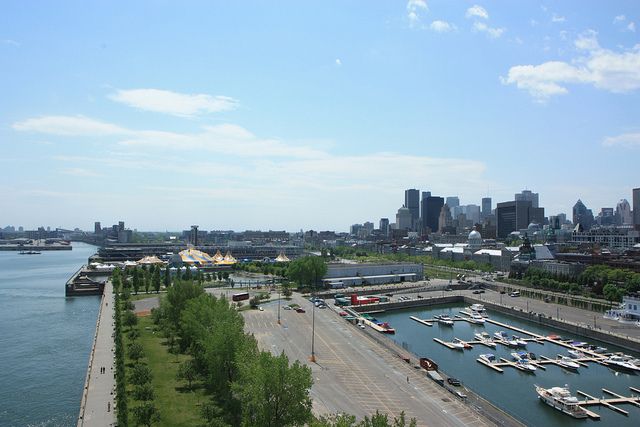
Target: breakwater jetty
98, 396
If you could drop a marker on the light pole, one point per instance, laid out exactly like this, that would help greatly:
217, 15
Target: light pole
313, 320
278, 305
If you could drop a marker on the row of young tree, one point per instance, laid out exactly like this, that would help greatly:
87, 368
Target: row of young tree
249, 387
596, 280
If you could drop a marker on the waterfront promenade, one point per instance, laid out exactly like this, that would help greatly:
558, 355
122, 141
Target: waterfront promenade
97, 406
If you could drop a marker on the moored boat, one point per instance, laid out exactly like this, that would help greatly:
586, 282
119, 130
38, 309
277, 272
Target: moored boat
519, 341
476, 318
566, 362
621, 362
489, 358
525, 365
445, 320
477, 308
561, 399
575, 354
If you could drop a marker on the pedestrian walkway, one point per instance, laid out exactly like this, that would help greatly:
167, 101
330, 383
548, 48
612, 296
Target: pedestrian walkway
97, 406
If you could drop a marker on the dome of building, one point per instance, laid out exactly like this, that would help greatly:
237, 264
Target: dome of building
475, 234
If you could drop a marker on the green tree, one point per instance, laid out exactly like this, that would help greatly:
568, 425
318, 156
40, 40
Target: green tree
175, 302
167, 277
612, 293
143, 392
136, 352
130, 319
187, 273
272, 392
146, 279
187, 372
146, 414
155, 279
286, 290
136, 280
307, 271
140, 374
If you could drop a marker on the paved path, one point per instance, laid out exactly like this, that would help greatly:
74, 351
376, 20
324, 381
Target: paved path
96, 408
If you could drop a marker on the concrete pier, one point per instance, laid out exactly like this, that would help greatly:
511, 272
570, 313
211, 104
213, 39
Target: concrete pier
98, 397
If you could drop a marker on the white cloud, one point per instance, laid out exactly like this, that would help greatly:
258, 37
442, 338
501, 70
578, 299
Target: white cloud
558, 18
81, 172
631, 27
617, 72
177, 104
11, 42
338, 62
619, 18
69, 126
441, 26
414, 9
494, 33
629, 140
476, 11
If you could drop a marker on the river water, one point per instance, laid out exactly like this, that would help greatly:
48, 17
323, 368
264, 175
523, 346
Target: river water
45, 338
513, 391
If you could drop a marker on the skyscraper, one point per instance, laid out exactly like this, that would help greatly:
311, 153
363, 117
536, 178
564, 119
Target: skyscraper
97, 228
636, 208
527, 195
431, 207
486, 207
515, 216
623, 213
412, 202
403, 219
444, 220
582, 215
384, 226
452, 201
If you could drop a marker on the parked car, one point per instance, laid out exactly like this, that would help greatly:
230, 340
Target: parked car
286, 307
300, 310
343, 313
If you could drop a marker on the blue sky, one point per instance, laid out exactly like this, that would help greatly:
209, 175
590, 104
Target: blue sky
290, 115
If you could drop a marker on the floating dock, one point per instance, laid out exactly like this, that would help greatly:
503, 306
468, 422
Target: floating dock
424, 322
609, 403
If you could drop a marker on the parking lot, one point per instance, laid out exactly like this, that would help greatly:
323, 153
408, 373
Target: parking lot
353, 373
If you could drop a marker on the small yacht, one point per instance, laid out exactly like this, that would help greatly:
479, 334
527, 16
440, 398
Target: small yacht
477, 308
485, 339
575, 354
457, 345
504, 338
445, 320
561, 399
517, 355
566, 362
476, 318
489, 358
597, 349
621, 362
464, 343
519, 341
525, 365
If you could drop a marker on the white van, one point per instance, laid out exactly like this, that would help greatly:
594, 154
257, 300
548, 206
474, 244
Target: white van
515, 294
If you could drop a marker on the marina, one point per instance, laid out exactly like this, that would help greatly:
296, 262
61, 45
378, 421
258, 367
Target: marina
552, 363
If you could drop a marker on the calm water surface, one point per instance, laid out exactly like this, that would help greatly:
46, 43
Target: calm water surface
513, 390
45, 338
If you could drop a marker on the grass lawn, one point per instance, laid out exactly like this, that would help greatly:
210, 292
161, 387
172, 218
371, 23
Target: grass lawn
177, 405
142, 295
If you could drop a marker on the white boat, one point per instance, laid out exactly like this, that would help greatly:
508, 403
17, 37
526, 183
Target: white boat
621, 362
504, 338
517, 355
485, 339
464, 343
445, 320
575, 354
566, 362
477, 308
519, 341
457, 345
476, 318
561, 399
524, 365
489, 358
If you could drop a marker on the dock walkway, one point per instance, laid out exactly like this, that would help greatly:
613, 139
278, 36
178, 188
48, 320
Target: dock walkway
98, 397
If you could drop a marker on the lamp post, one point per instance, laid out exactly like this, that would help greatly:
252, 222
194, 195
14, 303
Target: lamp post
313, 320
278, 305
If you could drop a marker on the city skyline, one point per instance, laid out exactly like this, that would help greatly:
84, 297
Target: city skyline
239, 116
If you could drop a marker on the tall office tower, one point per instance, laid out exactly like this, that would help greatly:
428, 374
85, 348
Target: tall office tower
97, 228
486, 207
516, 215
606, 217
444, 220
431, 207
121, 226
193, 236
403, 219
562, 217
354, 230
452, 201
412, 202
636, 208
527, 195
554, 222
473, 213
368, 226
384, 226
623, 213
582, 215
